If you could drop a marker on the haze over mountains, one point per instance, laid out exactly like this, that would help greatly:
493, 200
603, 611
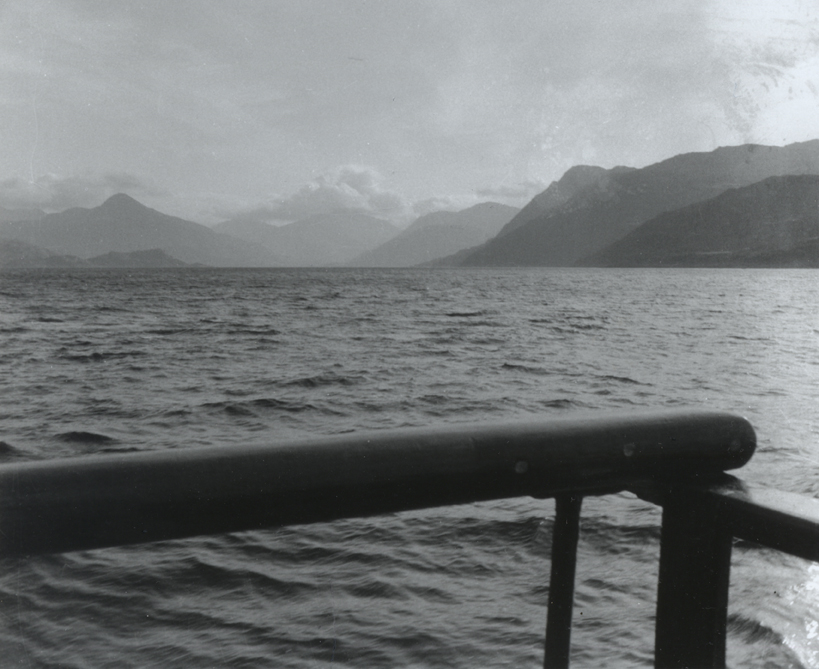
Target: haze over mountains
322, 240
736, 206
124, 233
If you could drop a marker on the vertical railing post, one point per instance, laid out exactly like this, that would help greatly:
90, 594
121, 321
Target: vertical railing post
561, 583
692, 595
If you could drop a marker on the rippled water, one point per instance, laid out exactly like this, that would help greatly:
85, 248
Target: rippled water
105, 361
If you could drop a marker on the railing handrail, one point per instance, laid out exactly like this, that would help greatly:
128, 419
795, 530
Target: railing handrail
675, 459
90, 502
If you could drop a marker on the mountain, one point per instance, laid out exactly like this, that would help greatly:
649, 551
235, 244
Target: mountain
123, 225
323, 239
439, 234
771, 223
577, 180
804, 255
21, 214
15, 254
590, 207
149, 258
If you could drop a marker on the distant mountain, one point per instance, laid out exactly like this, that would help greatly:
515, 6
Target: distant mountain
21, 214
590, 208
439, 234
15, 254
123, 225
149, 258
771, 223
324, 239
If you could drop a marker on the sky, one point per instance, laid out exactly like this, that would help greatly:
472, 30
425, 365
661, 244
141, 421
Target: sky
280, 109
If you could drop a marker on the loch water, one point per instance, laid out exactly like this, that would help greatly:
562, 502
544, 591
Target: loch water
107, 361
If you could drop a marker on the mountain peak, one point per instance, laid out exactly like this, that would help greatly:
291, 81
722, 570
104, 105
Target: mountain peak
121, 201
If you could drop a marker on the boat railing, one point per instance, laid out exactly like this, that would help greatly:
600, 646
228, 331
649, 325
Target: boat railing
675, 459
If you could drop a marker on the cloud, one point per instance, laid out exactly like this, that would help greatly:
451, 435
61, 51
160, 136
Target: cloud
240, 105
51, 192
346, 187
516, 195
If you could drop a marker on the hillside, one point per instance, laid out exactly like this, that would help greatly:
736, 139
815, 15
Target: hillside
439, 234
18, 255
591, 208
773, 223
123, 225
15, 254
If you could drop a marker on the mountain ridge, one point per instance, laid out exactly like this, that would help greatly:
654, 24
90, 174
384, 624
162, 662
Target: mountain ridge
121, 224
749, 226
612, 203
438, 234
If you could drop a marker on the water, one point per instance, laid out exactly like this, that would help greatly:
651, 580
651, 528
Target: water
110, 361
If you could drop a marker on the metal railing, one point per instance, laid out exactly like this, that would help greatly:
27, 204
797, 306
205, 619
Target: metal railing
675, 459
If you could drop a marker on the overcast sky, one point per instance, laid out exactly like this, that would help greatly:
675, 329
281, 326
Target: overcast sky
209, 109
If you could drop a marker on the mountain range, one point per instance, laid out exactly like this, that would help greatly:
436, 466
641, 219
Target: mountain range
439, 234
747, 205
121, 232
123, 225
591, 207
17, 254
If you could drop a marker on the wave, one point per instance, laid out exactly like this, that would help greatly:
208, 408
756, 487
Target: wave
253, 407
486, 341
83, 437
485, 324
465, 314
524, 368
9, 452
321, 380
102, 308
254, 330
65, 354
166, 332
198, 570
281, 405
561, 404
743, 338
753, 631
619, 537
620, 379
586, 326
